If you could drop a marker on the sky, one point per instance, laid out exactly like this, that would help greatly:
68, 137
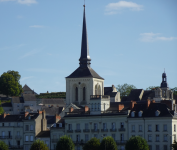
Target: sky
129, 41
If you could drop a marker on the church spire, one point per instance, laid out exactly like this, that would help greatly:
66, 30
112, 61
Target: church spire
84, 58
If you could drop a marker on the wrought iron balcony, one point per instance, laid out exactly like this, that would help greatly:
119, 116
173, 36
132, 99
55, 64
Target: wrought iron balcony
77, 130
79, 142
70, 131
99, 97
55, 140
16, 147
121, 142
104, 130
113, 130
86, 130
5, 137
122, 129
18, 137
95, 130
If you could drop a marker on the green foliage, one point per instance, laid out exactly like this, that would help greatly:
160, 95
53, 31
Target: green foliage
1, 109
52, 95
125, 89
174, 90
39, 145
109, 143
152, 87
3, 146
92, 144
10, 84
136, 143
65, 143
174, 145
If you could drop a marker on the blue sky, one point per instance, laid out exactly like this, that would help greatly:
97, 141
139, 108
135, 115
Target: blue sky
129, 41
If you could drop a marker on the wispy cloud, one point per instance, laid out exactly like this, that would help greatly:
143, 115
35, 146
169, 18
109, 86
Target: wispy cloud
36, 26
114, 8
44, 70
12, 47
30, 53
26, 78
25, 2
151, 37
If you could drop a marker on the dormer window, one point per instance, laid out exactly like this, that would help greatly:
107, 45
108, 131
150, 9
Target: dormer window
54, 125
140, 113
133, 114
157, 113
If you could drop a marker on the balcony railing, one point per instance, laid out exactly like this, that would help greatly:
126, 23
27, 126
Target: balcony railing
16, 147
77, 130
122, 129
86, 130
95, 130
55, 140
70, 131
113, 130
79, 142
104, 130
5, 137
99, 97
121, 142
18, 137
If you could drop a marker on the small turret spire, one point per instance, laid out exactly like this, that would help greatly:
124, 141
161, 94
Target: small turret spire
84, 58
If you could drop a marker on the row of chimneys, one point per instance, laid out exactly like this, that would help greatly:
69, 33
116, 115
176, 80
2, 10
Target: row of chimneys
71, 109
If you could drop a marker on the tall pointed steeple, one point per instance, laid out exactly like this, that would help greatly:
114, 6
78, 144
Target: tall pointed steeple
84, 58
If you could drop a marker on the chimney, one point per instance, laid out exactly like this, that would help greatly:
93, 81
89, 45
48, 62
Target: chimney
43, 114
148, 103
4, 115
132, 103
71, 109
86, 108
120, 107
57, 118
39, 112
26, 114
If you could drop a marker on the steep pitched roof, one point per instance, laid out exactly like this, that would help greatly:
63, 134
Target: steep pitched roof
17, 99
26, 88
52, 110
29, 97
58, 101
44, 134
109, 91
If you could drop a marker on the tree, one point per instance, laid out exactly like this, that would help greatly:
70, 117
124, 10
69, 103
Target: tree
136, 143
3, 146
65, 143
92, 144
174, 145
152, 87
39, 145
174, 90
125, 89
1, 109
108, 143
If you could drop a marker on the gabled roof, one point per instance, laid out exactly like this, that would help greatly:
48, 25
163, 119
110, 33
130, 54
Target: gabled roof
84, 72
52, 110
109, 91
44, 134
26, 88
17, 100
29, 97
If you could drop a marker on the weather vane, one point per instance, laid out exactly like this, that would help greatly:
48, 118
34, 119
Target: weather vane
84, 4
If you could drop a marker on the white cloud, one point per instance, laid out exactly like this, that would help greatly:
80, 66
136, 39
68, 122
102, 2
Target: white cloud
25, 78
36, 26
29, 54
114, 8
151, 37
25, 2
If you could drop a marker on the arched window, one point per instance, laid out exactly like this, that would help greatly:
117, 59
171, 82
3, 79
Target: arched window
76, 93
99, 90
157, 113
96, 90
140, 113
133, 114
84, 94
92, 106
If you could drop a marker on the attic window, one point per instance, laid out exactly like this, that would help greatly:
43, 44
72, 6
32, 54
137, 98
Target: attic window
133, 114
157, 113
60, 125
140, 113
54, 125
29, 117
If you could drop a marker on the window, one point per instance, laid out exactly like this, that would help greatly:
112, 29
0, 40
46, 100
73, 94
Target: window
157, 113
9, 143
9, 124
113, 126
164, 127
31, 138
157, 147
71, 136
26, 128
165, 137
31, 127
70, 127
133, 114
3, 134
149, 138
84, 94
78, 147
157, 138
47, 142
3, 124
86, 126
140, 128
95, 135
18, 133
76, 93
149, 128
122, 125
54, 145
104, 126
157, 127
174, 137
17, 105
86, 137
140, 113
95, 106
174, 127
114, 136
78, 138
60, 125
165, 147
95, 126
26, 138
77, 126
54, 125
18, 124
92, 106
122, 137
133, 128
9, 133
26, 147
98, 106
150, 147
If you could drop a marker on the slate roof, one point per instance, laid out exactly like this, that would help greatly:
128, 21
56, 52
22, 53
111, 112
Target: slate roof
17, 99
108, 91
134, 94
148, 93
50, 119
44, 134
6, 104
52, 110
12, 118
26, 88
32, 115
29, 97
84, 72
58, 101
